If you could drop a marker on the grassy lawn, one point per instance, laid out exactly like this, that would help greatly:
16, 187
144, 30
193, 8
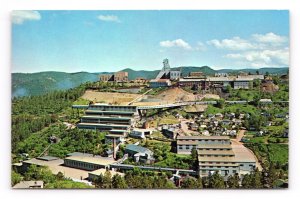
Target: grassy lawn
262, 139
233, 108
243, 94
157, 134
170, 119
278, 140
213, 110
267, 153
278, 153
175, 161
242, 108
250, 133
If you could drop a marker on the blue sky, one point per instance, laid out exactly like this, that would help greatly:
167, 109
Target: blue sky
98, 41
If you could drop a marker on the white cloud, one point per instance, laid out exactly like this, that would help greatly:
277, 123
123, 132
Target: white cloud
200, 46
175, 43
19, 16
260, 58
235, 43
109, 18
257, 51
270, 38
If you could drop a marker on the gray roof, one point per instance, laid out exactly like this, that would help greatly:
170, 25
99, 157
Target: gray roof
47, 158
203, 137
136, 148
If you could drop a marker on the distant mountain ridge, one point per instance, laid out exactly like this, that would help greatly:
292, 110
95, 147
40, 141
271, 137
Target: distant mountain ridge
25, 84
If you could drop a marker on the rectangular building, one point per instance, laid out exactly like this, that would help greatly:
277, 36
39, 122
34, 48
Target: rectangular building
156, 83
87, 162
196, 74
215, 153
121, 76
116, 77
175, 74
106, 77
114, 119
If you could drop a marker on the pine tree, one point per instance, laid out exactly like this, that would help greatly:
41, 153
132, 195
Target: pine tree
107, 182
194, 156
118, 182
233, 181
189, 183
246, 182
256, 180
216, 181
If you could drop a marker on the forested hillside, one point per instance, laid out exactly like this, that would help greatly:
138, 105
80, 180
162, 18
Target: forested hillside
32, 114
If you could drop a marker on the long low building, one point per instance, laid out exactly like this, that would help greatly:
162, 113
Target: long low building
236, 82
87, 162
216, 153
185, 144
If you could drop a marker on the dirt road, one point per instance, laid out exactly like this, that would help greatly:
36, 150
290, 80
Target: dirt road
185, 128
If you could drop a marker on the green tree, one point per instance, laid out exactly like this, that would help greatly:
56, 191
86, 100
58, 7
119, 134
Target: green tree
216, 181
191, 183
256, 180
233, 181
220, 103
228, 89
194, 157
107, 180
60, 176
99, 181
15, 178
246, 182
272, 176
118, 182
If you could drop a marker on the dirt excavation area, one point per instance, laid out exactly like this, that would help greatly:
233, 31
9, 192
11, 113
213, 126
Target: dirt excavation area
169, 96
173, 95
110, 97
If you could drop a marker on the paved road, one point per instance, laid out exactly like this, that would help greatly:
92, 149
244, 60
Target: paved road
237, 141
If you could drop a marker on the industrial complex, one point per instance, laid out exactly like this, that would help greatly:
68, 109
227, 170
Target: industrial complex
129, 125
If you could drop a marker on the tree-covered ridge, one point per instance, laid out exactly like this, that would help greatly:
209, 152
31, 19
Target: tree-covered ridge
34, 113
31, 84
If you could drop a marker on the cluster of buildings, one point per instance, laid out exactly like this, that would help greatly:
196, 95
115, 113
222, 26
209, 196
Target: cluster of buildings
219, 81
165, 76
195, 79
216, 153
201, 81
221, 124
